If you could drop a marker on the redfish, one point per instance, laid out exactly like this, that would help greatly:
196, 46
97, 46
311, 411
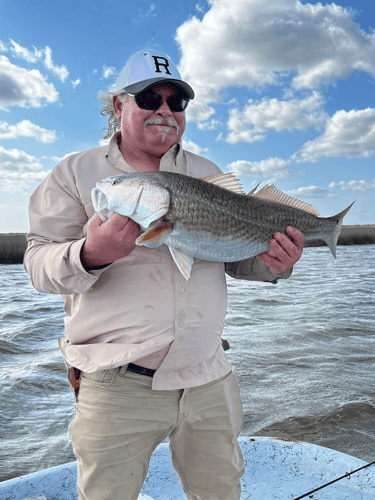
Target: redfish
211, 218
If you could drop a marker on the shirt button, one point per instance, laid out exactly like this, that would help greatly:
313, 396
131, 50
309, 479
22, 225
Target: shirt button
181, 323
182, 290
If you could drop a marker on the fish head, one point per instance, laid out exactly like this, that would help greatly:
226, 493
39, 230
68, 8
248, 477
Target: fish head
137, 196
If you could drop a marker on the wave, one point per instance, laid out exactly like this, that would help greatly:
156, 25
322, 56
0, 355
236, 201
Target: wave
8, 347
349, 428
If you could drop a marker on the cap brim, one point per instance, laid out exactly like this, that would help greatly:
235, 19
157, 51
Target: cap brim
145, 84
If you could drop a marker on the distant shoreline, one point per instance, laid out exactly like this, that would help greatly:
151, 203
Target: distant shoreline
13, 245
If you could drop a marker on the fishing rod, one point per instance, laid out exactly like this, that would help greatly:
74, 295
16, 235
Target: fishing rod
334, 481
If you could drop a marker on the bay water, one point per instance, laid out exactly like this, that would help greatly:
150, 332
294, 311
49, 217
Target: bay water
303, 352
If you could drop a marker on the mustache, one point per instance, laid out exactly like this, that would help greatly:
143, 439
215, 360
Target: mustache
161, 121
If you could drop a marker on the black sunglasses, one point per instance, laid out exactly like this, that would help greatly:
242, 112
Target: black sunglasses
148, 99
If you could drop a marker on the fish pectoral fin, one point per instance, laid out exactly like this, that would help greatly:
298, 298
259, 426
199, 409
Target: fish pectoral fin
155, 236
226, 181
183, 261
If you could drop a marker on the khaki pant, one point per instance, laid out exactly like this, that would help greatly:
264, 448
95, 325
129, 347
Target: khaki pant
120, 421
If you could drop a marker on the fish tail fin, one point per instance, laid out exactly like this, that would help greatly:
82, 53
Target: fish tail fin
334, 236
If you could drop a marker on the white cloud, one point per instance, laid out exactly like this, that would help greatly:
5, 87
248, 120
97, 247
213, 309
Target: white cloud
348, 134
271, 167
209, 125
309, 192
3, 47
75, 83
359, 186
24, 88
59, 159
194, 148
109, 71
26, 129
200, 8
251, 123
17, 160
198, 111
16, 181
60, 71
18, 170
255, 43
24, 53
151, 11
44, 55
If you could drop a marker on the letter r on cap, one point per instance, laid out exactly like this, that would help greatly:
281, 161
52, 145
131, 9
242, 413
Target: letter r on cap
163, 62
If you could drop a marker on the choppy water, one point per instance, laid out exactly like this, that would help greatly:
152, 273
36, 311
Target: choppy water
303, 351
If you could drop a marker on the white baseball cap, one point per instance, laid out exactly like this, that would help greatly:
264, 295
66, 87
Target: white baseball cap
147, 67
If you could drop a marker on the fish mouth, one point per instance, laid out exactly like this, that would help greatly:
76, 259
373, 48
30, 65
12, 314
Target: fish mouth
99, 202
98, 199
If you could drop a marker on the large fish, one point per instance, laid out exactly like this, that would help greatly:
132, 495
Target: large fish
211, 218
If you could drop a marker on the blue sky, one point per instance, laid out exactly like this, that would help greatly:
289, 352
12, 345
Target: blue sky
284, 90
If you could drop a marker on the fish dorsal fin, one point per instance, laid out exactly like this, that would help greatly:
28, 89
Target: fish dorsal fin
252, 192
226, 181
273, 194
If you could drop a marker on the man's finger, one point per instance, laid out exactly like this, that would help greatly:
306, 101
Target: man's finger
296, 235
286, 245
281, 244
117, 221
95, 220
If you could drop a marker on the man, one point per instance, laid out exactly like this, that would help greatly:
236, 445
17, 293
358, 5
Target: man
146, 342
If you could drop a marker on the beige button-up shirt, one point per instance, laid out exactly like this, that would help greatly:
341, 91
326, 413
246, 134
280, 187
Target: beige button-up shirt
140, 303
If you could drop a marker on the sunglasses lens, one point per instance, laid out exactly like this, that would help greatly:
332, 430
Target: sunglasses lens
177, 103
148, 100
151, 100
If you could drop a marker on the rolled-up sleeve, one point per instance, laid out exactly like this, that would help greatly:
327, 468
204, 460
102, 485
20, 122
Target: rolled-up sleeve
55, 239
254, 269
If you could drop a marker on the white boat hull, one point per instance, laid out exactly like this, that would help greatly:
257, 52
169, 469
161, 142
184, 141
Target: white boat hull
275, 470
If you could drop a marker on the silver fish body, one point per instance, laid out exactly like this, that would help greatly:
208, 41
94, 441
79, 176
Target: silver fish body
202, 219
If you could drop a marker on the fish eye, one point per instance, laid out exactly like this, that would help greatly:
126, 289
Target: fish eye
114, 182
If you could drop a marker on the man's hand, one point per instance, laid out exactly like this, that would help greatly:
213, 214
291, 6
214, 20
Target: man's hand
108, 241
285, 251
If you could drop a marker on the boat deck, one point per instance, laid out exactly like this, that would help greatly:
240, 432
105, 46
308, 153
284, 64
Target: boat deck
275, 470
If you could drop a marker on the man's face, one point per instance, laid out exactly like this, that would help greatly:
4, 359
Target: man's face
150, 131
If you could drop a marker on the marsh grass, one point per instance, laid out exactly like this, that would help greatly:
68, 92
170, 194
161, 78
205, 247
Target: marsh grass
13, 245
351, 235
12, 248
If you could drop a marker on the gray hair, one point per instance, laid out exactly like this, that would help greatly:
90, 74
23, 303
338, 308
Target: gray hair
107, 110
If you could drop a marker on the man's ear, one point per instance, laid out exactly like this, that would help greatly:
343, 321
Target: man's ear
117, 106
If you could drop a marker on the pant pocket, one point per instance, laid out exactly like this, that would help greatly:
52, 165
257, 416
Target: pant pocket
106, 377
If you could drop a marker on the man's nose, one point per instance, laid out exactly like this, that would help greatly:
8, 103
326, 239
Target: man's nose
164, 109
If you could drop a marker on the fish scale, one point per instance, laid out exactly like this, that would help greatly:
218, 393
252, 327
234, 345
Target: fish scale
202, 218
228, 214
